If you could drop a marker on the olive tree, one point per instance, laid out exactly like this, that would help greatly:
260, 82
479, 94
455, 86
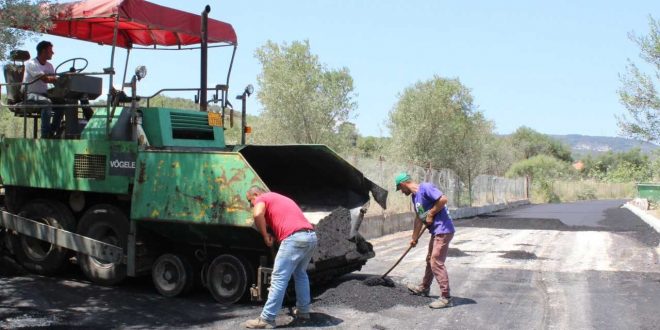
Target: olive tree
638, 92
303, 100
435, 123
30, 15
531, 143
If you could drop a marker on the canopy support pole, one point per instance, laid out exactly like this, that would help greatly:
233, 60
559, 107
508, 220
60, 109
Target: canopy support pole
112, 74
204, 65
231, 65
123, 79
225, 92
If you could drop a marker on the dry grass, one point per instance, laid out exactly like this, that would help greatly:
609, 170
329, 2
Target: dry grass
570, 191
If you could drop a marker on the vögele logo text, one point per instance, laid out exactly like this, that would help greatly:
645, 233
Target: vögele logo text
122, 164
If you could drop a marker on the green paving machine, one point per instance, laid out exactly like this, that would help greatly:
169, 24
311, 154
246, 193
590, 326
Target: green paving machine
129, 189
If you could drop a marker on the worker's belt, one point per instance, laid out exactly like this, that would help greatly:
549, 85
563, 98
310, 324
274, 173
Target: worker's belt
303, 230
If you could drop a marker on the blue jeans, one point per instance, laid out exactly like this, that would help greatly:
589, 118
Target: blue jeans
47, 128
292, 259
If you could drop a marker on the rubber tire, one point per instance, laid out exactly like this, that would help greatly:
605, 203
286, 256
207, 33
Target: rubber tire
184, 271
94, 224
55, 259
214, 277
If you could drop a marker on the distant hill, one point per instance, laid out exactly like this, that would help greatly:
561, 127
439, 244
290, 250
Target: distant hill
584, 144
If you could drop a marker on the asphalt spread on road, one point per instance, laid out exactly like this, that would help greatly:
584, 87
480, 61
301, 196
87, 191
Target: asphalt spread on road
356, 294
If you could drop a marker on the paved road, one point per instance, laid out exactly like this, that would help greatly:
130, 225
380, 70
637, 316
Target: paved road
588, 265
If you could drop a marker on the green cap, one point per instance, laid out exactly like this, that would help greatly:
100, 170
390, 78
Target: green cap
401, 178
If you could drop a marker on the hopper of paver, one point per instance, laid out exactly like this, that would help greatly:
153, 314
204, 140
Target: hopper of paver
332, 193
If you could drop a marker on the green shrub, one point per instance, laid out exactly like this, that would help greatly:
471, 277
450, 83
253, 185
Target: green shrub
541, 167
543, 192
586, 193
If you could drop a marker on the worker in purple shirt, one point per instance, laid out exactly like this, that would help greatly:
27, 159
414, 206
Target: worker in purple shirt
430, 206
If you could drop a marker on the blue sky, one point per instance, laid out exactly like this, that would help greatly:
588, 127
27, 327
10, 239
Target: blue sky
549, 65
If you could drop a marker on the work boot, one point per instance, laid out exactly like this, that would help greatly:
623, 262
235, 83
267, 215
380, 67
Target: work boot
418, 290
442, 302
300, 315
259, 323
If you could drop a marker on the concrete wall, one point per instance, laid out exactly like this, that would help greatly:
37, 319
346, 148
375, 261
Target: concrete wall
381, 225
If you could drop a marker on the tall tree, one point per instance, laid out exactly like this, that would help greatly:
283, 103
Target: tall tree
435, 123
499, 154
371, 146
638, 91
303, 101
531, 143
346, 137
28, 14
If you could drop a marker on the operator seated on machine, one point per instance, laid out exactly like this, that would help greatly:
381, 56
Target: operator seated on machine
37, 92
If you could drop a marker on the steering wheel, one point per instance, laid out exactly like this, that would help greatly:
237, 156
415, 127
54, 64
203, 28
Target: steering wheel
73, 68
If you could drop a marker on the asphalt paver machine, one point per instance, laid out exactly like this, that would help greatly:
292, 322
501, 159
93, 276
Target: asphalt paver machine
129, 189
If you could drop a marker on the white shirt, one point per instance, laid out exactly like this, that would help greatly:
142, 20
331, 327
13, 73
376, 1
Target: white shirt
34, 69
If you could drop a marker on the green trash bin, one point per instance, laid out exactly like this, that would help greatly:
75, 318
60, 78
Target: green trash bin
650, 191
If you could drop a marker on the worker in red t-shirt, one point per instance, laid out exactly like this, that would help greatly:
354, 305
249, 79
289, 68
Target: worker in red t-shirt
297, 243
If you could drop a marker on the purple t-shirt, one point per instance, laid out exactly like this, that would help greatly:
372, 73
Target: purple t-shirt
423, 201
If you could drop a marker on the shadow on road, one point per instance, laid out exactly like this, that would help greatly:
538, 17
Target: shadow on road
458, 301
39, 301
29, 301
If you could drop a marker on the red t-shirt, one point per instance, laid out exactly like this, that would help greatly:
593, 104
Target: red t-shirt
283, 215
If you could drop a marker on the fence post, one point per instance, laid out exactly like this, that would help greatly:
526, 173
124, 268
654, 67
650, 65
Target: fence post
469, 187
527, 187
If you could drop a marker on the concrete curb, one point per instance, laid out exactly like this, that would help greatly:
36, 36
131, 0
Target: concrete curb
381, 225
649, 219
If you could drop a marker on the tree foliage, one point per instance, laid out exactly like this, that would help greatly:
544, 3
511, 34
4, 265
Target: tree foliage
27, 14
499, 154
346, 138
303, 100
531, 143
541, 167
372, 147
12, 126
638, 92
630, 166
435, 123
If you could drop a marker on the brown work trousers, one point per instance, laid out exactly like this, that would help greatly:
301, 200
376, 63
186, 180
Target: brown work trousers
435, 263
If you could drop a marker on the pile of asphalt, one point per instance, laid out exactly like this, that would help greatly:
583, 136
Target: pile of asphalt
333, 233
379, 280
357, 295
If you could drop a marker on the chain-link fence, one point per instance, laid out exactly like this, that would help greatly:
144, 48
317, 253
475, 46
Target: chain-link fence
485, 189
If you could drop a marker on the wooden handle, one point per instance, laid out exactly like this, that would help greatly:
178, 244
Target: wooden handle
404, 253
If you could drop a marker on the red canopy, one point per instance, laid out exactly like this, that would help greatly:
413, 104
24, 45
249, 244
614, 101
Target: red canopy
140, 23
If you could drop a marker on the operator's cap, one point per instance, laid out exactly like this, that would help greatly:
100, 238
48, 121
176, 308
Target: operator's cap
401, 178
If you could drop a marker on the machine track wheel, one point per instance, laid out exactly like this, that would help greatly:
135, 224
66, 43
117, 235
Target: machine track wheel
108, 224
37, 255
228, 278
173, 275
